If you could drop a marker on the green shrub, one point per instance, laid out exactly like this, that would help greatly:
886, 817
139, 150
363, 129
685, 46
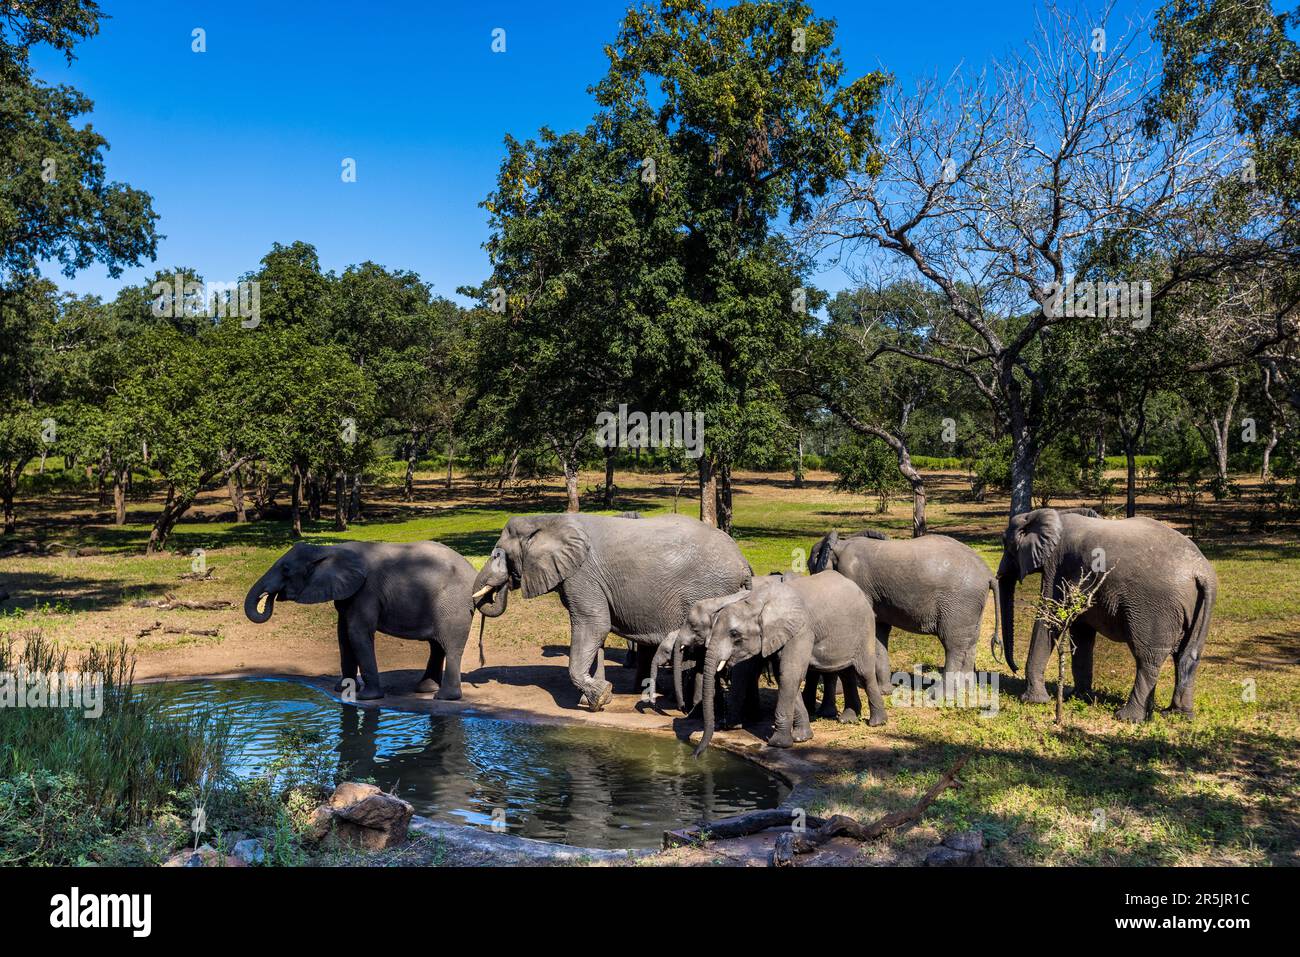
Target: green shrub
867, 466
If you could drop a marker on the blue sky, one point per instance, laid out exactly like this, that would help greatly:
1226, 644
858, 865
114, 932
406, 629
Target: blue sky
242, 146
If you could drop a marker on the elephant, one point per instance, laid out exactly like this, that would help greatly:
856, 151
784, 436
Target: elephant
822, 621
415, 590
1157, 596
634, 577
932, 585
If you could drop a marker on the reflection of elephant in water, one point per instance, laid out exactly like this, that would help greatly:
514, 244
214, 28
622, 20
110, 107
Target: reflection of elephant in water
1157, 597
821, 621
635, 577
416, 590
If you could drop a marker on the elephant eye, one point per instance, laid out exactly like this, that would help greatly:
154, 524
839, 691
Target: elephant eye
735, 633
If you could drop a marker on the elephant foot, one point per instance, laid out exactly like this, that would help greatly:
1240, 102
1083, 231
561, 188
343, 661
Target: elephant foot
802, 735
828, 711
876, 720
1035, 696
448, 694
848, 716
371, 692
426, 686
598, 701
345, 683
1131, 715
780, 739
1177, 712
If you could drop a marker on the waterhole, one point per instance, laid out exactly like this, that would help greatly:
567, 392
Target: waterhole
589, 786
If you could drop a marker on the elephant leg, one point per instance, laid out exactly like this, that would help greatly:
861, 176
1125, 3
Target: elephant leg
646, 675
882, 654
741, 695
1084, 640
585, 649
449, 689
347, 660
751, 708
1186, 662
810, 681
361, 637
830, 708
864, 670
1041, 644
1141, 700
802, 724
794, 665
433, 670
852, 700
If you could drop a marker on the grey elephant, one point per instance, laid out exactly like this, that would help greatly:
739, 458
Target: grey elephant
931, 585
415, 590
1157, 596
821, 621
634, 577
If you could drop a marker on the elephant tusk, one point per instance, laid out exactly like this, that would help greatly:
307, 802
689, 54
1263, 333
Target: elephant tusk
481, 592
722, 664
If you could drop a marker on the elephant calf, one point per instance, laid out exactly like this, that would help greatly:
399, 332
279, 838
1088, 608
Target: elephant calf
820, 621
415, 590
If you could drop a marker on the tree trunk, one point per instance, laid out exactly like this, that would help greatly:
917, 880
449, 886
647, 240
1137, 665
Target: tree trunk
451, 455
1265, 472
11, 522
235, 486
708, 491
173, 509
354, 499
798, 463
1024, 458
340, 502
572, 503
1130, 460
725, 512
120, 479
295, 506
610, 450
408, 483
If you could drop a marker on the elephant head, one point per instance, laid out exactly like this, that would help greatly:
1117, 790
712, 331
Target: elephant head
694, 634
759, 624
535, 551
309, 574
1028, 546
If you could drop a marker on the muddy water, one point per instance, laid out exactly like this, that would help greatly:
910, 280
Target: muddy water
588, 786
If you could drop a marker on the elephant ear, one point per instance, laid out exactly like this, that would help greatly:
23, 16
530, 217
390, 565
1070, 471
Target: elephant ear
782, 617
552, 553
336, 576
1037, 539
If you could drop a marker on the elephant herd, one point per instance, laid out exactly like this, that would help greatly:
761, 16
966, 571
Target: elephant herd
680, 591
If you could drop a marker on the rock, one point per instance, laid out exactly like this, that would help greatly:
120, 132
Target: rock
250, 851
942, 856
972, 842
362, 815
205, 856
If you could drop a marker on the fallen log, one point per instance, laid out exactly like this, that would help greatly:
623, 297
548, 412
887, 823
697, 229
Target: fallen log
791, 844
741, 825
171, 603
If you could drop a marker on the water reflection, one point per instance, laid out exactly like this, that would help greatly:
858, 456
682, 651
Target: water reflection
577, 785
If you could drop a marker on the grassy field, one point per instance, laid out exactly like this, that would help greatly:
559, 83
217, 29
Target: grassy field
1220, 788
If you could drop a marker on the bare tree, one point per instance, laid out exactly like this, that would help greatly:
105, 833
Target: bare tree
995, 191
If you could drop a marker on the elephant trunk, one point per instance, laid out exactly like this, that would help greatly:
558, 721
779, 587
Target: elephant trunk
710, 678
822, 553
1006, 595
677, 675
491, 590
268, 585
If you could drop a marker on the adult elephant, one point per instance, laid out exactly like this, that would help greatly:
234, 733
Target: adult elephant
635, 577
820, 621
931, 585
1156, 596
415, 590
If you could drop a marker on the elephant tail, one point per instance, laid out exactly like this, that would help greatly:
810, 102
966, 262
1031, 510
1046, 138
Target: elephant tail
482, 622
997, 619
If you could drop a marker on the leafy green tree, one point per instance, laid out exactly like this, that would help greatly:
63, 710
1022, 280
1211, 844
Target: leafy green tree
734, 116
867, 466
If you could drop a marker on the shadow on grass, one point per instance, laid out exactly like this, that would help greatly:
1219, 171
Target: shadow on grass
33, 591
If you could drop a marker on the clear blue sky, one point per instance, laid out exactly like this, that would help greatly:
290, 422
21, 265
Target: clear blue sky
241, 146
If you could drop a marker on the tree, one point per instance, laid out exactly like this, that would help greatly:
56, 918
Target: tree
748, 119
993, 193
